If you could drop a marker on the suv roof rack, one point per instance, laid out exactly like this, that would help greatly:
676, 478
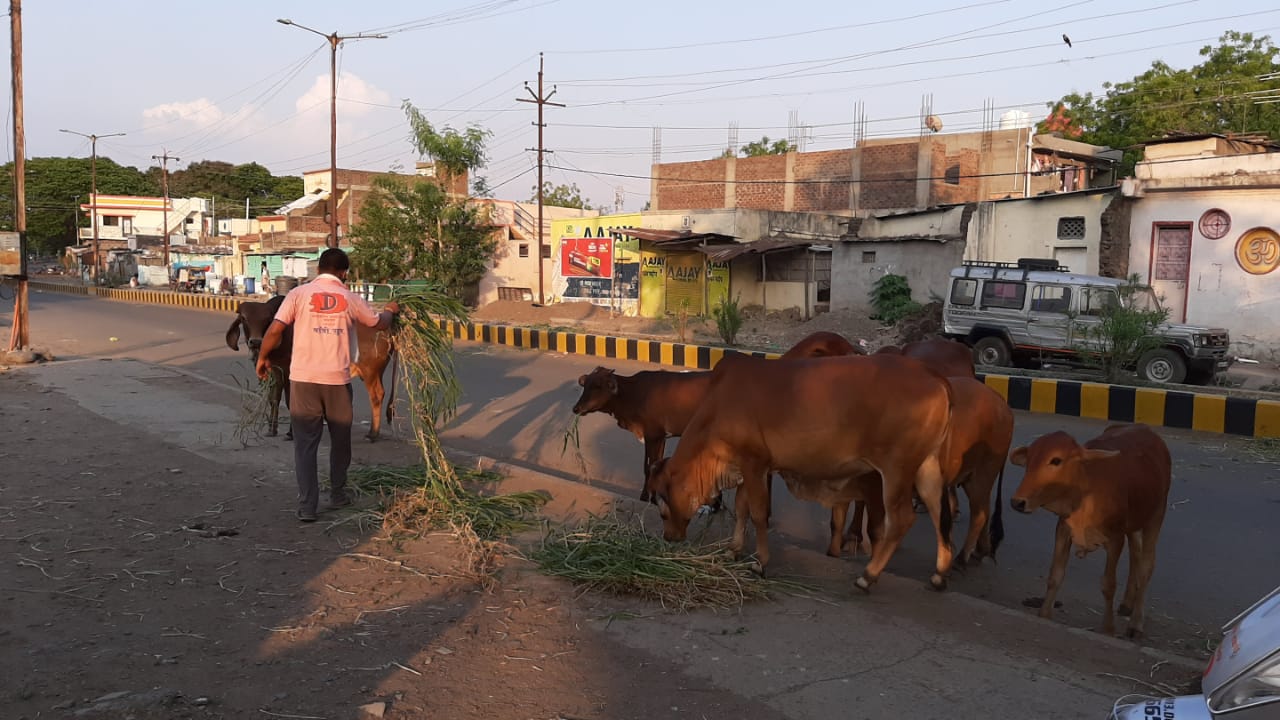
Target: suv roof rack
1026, 265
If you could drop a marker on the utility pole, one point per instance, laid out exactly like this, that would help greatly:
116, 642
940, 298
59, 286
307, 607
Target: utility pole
164, 184
93, 190
540, 99
19, 336
334, 40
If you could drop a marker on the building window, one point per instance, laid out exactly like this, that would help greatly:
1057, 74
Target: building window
524, 250
964, 291
110, 220
1070, 228
1001, 294
546, 252
1051, 299
952, 175
868, 256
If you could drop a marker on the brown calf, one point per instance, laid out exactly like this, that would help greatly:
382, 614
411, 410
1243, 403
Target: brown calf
376, 351
948, 358
1113, 489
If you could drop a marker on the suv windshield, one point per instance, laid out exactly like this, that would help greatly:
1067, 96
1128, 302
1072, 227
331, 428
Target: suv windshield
1142, 298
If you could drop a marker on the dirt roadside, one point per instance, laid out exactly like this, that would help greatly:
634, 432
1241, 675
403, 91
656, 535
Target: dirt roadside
157, 572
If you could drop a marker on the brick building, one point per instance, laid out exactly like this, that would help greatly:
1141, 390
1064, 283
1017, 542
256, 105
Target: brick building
889, 174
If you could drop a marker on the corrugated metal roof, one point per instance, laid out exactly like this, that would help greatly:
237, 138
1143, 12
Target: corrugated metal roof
674, 237
724, 253
303, 202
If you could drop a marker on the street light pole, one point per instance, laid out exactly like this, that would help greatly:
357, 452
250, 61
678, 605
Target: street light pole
334, 40
93, 200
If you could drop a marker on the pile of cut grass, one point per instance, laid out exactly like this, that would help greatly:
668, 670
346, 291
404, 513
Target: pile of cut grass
410, 499
617, 555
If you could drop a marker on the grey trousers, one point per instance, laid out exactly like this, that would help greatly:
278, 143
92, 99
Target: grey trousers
311, 407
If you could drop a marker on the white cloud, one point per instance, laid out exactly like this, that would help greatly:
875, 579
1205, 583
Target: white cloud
350, 88
200, 112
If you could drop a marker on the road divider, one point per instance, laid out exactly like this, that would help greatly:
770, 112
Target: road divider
1152, 406
1159, 407
196, 301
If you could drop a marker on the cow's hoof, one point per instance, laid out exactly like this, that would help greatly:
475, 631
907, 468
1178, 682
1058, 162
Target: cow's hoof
1134, 633
863, 584
938, 582
644, 496
756, 568
289, 437
1124, 610
272, 433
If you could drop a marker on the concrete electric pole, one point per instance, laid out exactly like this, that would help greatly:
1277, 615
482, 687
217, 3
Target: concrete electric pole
541, 99
164, 184
93, 191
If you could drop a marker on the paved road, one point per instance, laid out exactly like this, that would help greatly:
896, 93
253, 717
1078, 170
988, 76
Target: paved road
1219, 552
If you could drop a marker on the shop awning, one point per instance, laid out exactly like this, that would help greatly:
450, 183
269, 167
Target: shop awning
675, 238
724, 253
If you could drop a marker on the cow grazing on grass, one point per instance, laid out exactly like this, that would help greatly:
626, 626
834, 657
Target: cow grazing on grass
657, 404
974, 458
814, 421
376, 349
1114, 488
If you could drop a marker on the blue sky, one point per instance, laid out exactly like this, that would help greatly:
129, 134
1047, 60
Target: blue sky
225, 81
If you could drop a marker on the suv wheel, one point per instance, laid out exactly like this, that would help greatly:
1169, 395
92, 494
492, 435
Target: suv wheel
1162, 365
992, 351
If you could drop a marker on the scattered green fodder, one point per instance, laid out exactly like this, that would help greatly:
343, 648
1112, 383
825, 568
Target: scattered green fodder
614, 555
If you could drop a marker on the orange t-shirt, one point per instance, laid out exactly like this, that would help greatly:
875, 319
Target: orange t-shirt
323, 314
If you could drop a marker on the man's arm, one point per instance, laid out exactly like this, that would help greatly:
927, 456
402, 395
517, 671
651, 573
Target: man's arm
270, 341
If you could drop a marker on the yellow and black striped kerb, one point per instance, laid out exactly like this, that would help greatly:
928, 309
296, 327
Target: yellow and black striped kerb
1153, 406
57, 288
196, 301
682, 355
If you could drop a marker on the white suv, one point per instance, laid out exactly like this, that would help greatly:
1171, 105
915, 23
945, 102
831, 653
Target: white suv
1035, 310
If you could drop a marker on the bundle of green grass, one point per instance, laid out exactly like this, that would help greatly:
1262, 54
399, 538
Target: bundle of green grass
616, 554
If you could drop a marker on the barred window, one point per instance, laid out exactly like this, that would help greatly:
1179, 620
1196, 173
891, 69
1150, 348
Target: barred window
1070, 228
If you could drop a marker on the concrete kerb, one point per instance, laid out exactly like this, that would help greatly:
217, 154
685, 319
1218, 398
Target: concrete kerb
1246, 417
571, 499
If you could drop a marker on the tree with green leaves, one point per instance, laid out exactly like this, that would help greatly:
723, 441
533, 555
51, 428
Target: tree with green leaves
415, 229
568, 196
1214, 96
56, 187
763, 147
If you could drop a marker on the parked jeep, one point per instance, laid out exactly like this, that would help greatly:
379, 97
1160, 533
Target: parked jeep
1036, 310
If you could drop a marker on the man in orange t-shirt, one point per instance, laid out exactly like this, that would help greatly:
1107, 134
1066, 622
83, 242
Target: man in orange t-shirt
323, 314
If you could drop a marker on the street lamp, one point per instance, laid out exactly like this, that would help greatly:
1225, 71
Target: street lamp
334, 39
93, 204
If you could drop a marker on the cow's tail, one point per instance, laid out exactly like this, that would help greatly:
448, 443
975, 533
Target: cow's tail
945, 518
997, 522
391, 392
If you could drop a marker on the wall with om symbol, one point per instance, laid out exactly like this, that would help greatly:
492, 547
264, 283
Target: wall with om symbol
1232, 281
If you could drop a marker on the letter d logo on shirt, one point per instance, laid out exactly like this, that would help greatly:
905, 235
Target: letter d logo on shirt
328, 303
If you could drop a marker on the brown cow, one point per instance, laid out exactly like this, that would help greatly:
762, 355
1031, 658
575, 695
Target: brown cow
981, 433
658, 404
814, 420
1114, 488
375, 350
